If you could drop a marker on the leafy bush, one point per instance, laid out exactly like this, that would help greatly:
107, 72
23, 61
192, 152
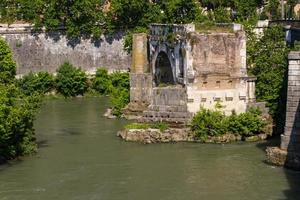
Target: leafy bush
101, 83
120, 95
120, 80
16, 122
41, 83
215, 123
246, 124
7, 64
71, 81
119, 99
116, 85
209, 123
267, 58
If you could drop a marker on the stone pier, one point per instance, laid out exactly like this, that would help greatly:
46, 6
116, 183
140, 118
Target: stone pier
289, 152
140, 78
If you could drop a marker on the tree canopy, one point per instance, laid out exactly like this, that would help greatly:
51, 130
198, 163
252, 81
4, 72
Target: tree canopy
94, 17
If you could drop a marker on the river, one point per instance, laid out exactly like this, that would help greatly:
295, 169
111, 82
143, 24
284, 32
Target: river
80, 158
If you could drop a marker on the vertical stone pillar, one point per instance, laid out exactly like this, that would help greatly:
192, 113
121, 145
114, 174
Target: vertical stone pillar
251, 89
290, 140
139, 54
140, 76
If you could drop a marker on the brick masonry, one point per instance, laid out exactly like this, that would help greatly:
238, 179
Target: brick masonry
290, 140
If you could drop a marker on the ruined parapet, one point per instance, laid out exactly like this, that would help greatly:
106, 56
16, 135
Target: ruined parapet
289, 152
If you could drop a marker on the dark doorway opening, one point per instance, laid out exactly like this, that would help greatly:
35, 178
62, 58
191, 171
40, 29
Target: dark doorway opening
163, 70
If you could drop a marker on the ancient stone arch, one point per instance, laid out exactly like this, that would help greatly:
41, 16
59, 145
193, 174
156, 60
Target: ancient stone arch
172, 40
163, 70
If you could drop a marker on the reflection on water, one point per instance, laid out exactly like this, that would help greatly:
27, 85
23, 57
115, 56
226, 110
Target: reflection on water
80, 158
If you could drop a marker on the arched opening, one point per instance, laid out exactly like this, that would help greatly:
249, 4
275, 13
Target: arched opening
163, 70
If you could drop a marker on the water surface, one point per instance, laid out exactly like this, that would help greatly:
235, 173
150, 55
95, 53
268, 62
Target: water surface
80, 158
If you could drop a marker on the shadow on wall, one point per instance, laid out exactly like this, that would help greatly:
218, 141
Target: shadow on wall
73, 42
293, 158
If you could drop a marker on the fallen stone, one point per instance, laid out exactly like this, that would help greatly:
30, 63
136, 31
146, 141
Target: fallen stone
108, 114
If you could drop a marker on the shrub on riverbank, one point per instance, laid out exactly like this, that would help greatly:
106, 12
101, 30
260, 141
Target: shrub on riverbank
17, 112
215, 123
120, 95
41, 83
71, 81
101, 83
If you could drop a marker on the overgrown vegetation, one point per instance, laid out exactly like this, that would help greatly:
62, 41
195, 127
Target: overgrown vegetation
7, 64
17, 112
102, 83
215, 123
91, 18
71, 81
41, 83
120, 95
267, 60
159, 125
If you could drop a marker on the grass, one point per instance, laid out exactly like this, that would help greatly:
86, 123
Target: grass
161, 126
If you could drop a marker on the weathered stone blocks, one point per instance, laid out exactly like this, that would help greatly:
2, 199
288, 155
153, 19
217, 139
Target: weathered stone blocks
289, 152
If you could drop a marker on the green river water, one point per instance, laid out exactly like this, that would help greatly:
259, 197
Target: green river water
80, 158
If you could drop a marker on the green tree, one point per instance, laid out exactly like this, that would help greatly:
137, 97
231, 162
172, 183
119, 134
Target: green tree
213, 4
9, 11
246, 9
181, 11
71, 81
40, 83
267, 60
222, 15
17, 112
7, 64
129, 14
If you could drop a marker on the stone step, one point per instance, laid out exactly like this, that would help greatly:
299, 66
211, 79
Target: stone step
160, 114
172, 121
164, 108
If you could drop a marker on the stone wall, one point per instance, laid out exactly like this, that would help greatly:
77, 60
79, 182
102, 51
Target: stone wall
45, 52
219, 53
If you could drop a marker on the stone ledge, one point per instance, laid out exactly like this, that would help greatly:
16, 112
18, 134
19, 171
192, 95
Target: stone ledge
149, 136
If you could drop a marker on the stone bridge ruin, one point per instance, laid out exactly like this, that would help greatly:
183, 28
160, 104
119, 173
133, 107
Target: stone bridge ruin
177, 69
